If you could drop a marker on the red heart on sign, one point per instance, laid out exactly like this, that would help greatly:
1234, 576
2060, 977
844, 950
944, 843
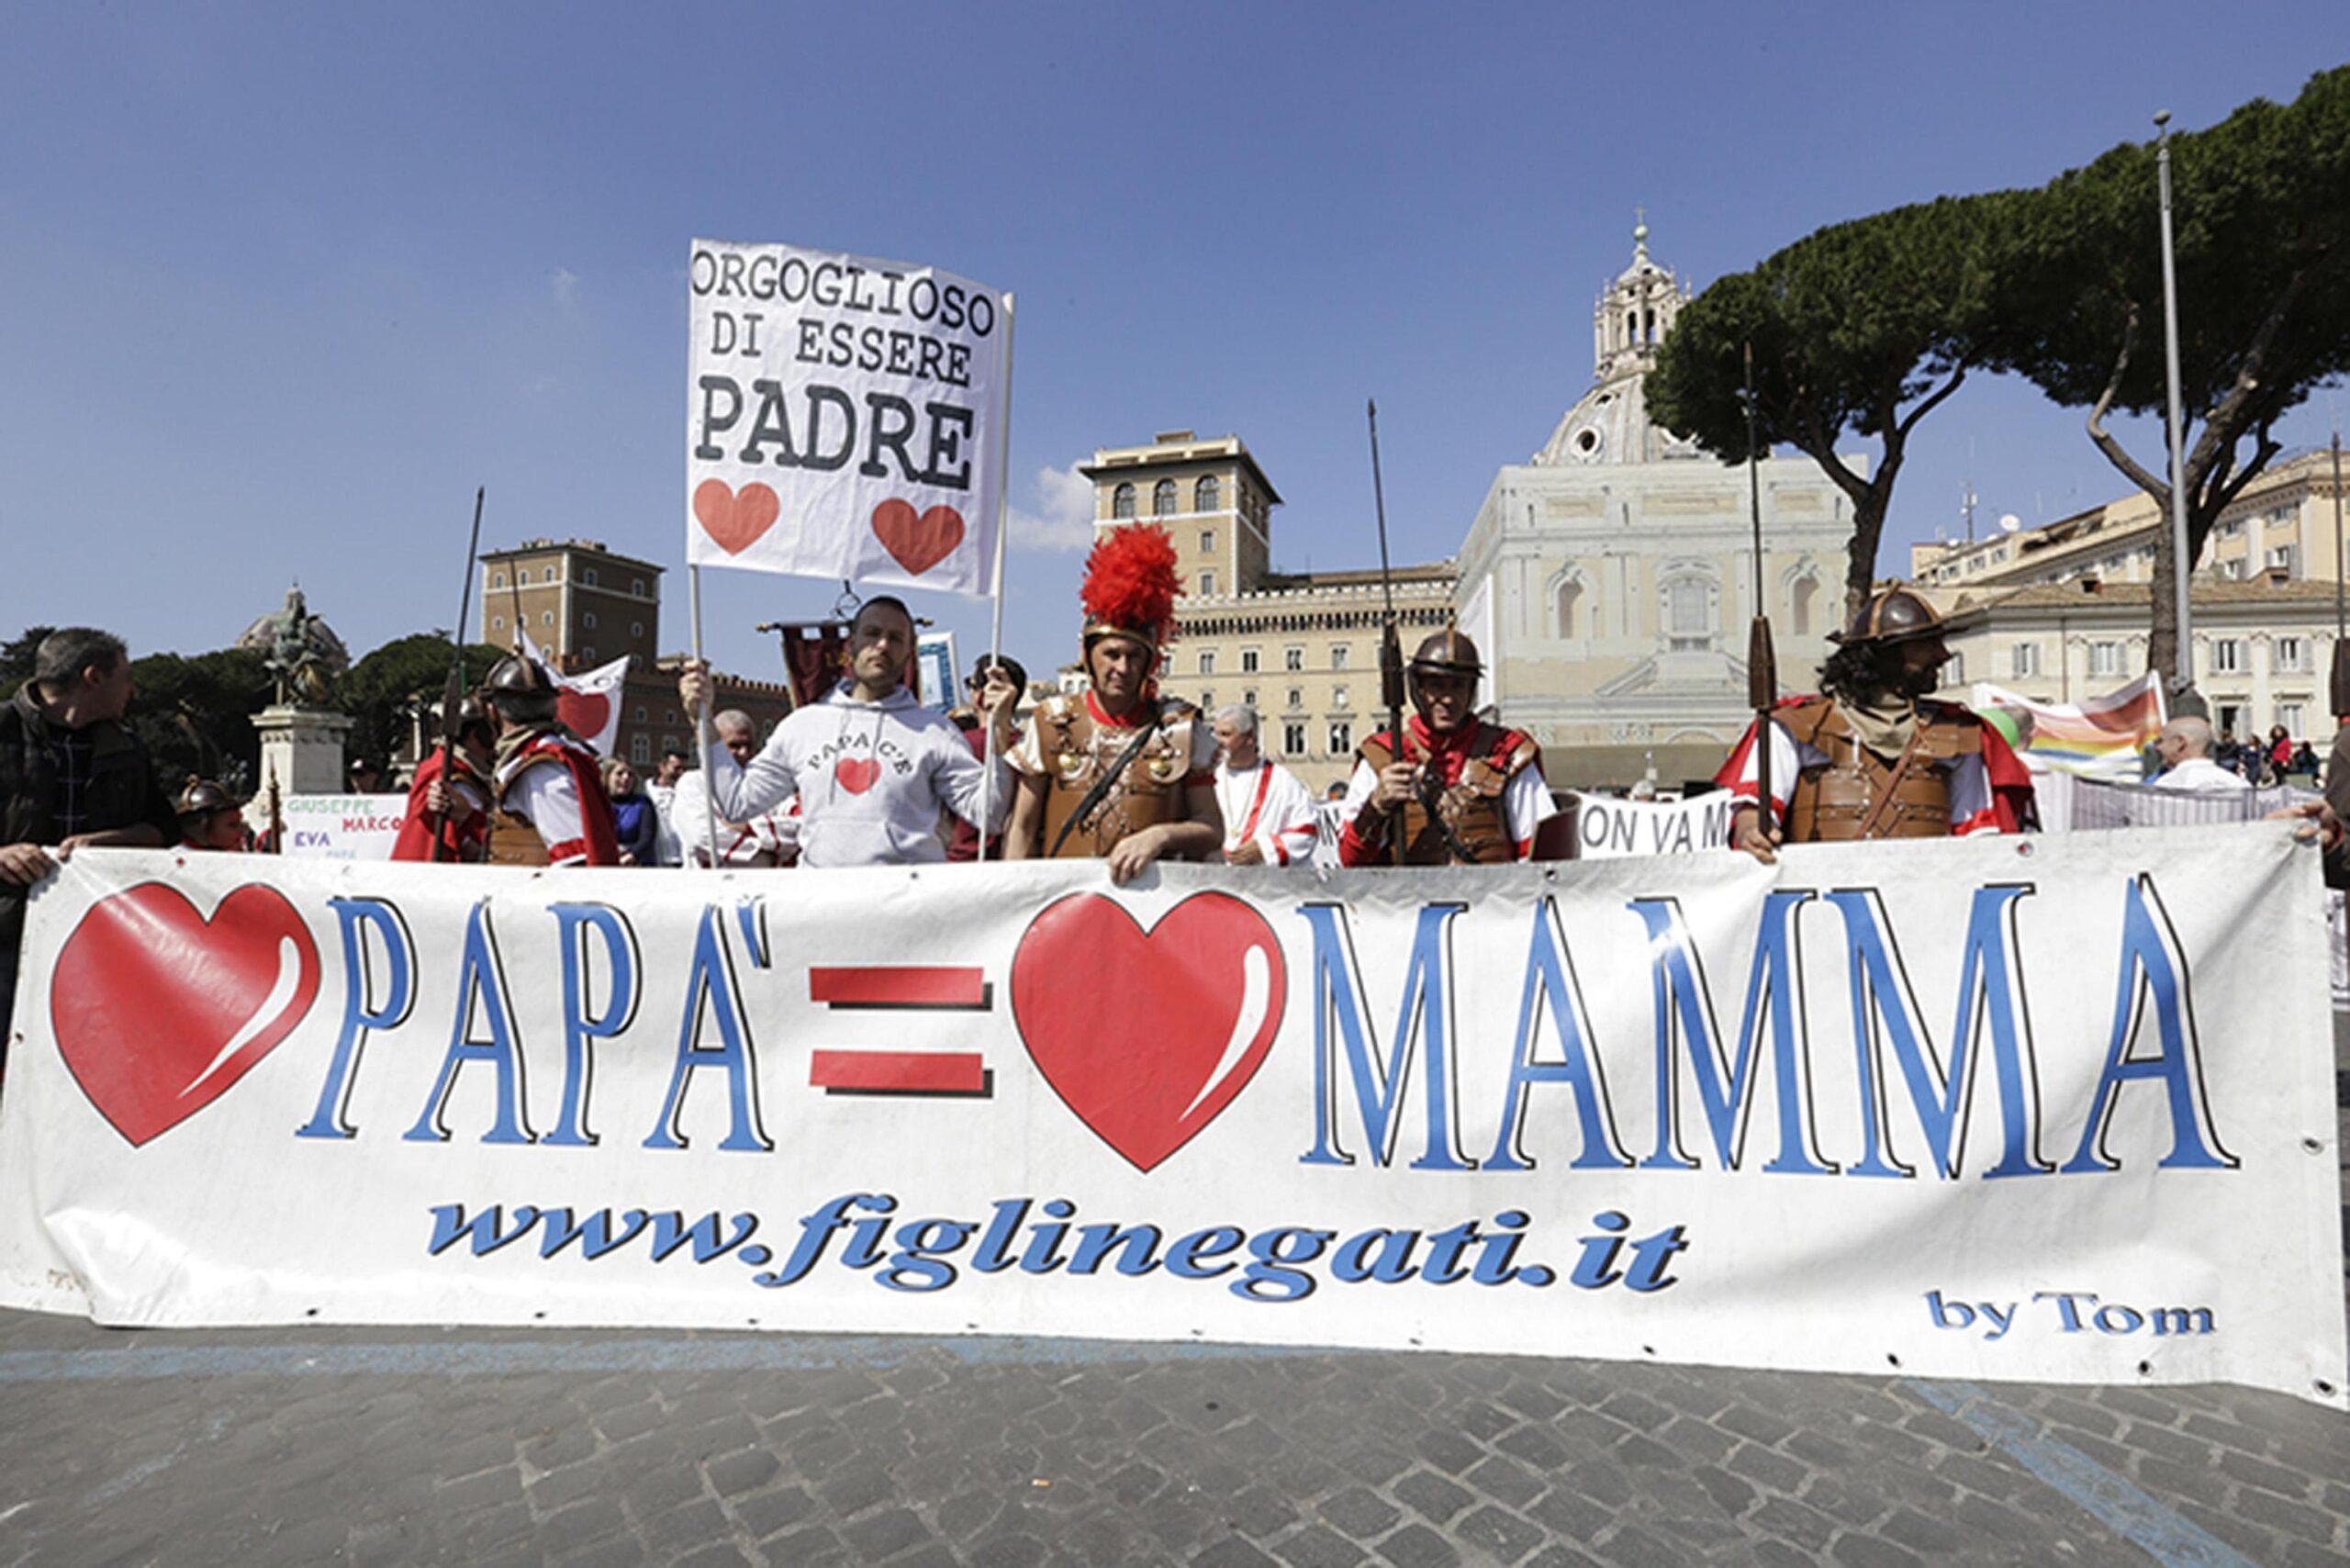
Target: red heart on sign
1148, 1059
584, 713
856, 773
157, 1010
917, 544
735, 522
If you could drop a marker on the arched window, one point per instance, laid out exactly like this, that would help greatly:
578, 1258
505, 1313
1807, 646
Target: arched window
1207, 495
1122, 501
1569, 609
1162, 498
1807, 604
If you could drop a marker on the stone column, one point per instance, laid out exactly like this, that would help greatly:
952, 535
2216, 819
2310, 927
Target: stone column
302, 749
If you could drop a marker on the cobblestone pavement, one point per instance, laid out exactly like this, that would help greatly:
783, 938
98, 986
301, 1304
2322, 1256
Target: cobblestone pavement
393, 1445
373, 1446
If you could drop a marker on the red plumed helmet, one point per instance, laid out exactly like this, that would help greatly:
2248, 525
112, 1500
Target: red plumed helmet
1131, 586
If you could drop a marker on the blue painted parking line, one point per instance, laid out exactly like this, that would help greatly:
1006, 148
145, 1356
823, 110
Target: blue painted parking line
2161, 1531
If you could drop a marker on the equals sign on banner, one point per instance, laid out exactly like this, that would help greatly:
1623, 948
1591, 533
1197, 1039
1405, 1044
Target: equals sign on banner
888, 987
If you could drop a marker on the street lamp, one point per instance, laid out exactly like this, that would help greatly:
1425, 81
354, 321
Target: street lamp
2184, 699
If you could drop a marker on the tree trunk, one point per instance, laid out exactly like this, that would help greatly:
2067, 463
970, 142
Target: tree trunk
2161, 640
1860, 568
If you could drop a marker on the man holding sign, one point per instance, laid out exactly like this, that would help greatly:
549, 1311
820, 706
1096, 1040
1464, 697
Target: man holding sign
873, 769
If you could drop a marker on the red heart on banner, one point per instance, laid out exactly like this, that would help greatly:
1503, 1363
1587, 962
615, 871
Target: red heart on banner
735, 522
917, 544
856, 773
584, 713
157, 1010
1175, 1025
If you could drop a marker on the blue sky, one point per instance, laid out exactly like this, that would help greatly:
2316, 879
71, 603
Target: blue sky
283, 285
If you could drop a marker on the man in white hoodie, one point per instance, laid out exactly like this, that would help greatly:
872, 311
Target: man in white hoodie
872, 768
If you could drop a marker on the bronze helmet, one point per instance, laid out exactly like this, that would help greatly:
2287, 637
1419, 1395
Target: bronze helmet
471, 715
518, 674
1897, 614
1448, 652
201, 798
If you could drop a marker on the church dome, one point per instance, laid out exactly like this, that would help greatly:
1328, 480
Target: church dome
1610, 423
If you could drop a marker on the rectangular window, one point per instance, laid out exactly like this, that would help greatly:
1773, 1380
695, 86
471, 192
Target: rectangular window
1207, 583
1207, 703
1247, 661
2292, 657
2024, 659
2227, 655
1249, 697
2290, 715
1296, 699
1338, 698
640, 749
1207, 541
588, 618
1293, 658
2104, 658
1954, 671
587, 575
1293, 739
1338, 656
1342, 737
2287, 557
1207, 661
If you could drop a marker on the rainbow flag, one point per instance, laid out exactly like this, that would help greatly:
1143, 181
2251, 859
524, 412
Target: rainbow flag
2100, 738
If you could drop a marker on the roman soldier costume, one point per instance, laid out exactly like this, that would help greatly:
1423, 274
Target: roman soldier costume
1107, 776
1888, 768
548, 806
464, 841
1481, 793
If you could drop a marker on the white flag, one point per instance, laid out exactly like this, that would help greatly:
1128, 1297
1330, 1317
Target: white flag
845, 417
589, 703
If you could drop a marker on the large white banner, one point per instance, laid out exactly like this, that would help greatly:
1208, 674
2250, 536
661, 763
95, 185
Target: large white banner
845, 417
1976, 1108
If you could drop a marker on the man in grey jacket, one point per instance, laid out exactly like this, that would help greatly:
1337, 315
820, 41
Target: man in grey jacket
874, 770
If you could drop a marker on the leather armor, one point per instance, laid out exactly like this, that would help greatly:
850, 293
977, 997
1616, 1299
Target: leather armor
513, 839
1858, 794
1472, 806
1076, 751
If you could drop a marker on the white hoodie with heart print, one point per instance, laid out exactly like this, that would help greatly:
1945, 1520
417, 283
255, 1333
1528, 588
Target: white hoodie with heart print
872, 778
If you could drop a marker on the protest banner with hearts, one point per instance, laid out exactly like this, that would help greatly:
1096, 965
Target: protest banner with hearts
1829, 1114
846, 417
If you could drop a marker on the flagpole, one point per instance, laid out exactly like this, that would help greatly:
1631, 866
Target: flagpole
1003, 530
701, 718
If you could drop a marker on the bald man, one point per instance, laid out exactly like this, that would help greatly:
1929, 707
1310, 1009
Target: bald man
2185, 747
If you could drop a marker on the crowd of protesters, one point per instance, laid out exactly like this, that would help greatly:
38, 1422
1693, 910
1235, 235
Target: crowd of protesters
1116, 772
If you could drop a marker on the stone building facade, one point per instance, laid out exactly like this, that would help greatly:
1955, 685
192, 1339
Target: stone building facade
2263, 647
2282, 527
1611, 576
586, 606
